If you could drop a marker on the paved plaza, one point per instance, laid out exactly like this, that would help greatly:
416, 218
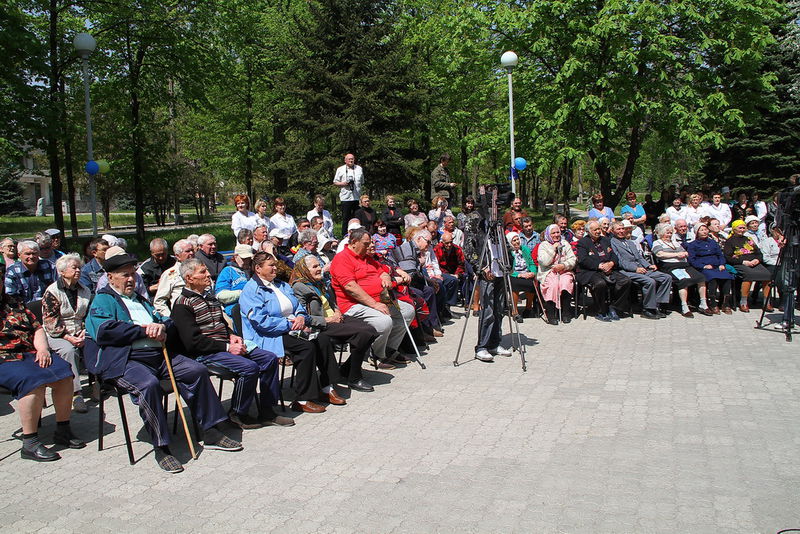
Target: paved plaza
676, 425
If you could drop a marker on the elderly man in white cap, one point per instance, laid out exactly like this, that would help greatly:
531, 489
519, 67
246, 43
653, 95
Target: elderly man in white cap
171, 282
352, 224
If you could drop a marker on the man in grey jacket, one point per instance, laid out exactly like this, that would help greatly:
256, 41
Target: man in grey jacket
656, 286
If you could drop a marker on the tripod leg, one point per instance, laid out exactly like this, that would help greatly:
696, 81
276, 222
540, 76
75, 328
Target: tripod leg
466, 320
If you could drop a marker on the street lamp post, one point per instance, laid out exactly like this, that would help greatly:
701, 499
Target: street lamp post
509, 61
84, 45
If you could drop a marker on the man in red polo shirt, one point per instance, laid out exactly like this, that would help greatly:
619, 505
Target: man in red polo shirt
358, 281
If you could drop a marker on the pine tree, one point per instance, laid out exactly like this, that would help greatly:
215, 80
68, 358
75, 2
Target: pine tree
768, 152
353, 82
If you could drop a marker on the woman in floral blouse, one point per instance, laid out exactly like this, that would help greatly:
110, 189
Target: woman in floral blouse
64, 307
745, 256
26, 368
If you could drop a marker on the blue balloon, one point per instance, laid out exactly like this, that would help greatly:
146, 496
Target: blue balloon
92, 167
520, 164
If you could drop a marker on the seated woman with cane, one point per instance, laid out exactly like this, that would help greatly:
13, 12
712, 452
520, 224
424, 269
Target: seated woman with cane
309, 287
523, 274
276, 321
556, 278
27, 367
745, 256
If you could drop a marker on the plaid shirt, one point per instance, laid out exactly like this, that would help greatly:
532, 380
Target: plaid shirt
28, 285
450, 260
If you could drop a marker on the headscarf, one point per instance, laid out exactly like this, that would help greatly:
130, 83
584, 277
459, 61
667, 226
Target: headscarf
698, 225
301, 273
510, 236
736, 224
547, 231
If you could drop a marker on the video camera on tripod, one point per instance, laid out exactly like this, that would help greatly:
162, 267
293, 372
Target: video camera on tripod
491, 198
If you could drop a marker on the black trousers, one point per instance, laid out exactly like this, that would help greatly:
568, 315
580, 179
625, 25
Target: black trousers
724, 286
349, 207
359, 335
620, 286
307, 357
491, 314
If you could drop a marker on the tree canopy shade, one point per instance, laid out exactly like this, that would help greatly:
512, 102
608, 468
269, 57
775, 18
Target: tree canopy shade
267, 97
600, 76
765, 154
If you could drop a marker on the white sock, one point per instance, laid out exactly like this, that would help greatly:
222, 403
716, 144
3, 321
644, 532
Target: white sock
703, 303
327, 389
743, 301
302, 403
684, 307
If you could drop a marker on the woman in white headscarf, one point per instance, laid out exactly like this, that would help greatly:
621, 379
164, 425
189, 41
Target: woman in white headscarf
556, 277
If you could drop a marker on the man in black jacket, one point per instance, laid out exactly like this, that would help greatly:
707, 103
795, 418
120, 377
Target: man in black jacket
159, 261
198, 316
207, 253
597, 268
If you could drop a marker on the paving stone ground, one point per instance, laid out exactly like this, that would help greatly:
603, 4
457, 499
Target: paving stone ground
677, 425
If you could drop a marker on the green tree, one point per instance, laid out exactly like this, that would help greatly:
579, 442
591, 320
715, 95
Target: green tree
600, 77
764, 155
353, 87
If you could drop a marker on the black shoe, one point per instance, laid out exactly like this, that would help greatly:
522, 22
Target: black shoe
244, 421
661, 314
68, 439
647, 314
553, 321
361, 385
39, 454
518, 318
566, 319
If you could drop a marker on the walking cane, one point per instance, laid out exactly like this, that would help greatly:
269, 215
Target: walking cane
408, 331
179, 404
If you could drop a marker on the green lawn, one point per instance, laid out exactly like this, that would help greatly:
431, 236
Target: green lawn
25, 225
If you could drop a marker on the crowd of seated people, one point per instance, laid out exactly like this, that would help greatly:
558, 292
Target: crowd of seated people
292, 294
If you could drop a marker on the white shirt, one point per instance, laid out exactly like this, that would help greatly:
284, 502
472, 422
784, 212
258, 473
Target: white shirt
356, 178
243, 222
283, 222
674, 214
693, 214
169, 289
722, 213
458, 237
327, 220
770, 250
286, 305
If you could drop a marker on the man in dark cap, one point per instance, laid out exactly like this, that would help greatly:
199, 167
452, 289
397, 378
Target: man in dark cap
124, 344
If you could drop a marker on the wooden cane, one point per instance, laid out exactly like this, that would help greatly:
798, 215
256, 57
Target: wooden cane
179, 403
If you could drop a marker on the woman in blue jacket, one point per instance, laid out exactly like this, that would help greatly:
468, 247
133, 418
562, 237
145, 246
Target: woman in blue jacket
274, 320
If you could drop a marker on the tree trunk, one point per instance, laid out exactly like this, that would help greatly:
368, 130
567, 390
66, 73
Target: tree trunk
73, 212
280, 181
53, 114
136, 145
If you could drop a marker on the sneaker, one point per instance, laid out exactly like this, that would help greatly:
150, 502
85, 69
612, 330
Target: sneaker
484, 356
79, 405
606, 318
224, 443
244, 421
277, 420
501, 351
167, 462
613, 314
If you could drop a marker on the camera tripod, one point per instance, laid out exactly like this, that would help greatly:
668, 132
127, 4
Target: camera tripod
494, 253
786, 269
